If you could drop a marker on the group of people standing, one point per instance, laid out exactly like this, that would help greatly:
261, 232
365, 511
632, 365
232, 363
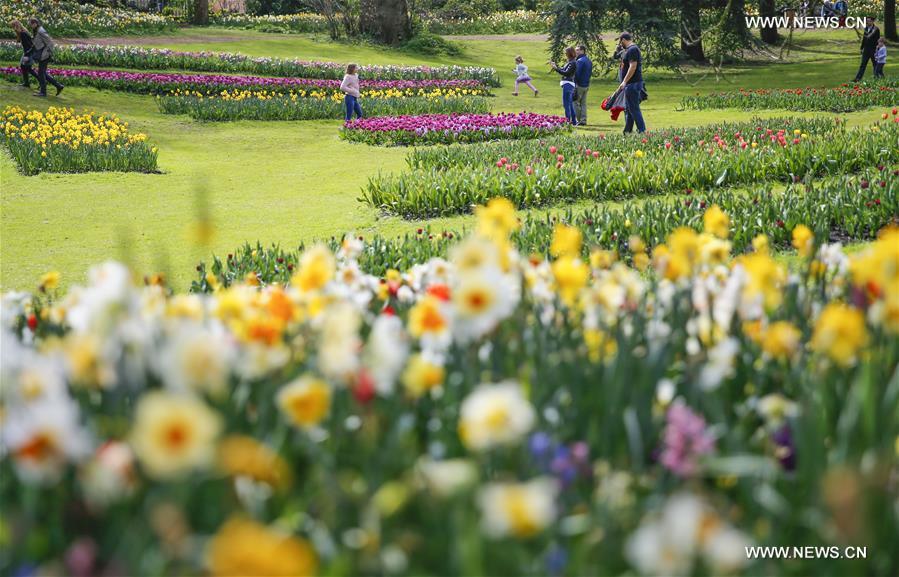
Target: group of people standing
575, 82
37, 50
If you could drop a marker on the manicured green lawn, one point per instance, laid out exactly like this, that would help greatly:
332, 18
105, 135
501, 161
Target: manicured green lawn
286, 182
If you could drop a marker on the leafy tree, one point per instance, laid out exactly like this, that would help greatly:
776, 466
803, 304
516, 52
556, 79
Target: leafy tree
578, 22
654, 25
259, 7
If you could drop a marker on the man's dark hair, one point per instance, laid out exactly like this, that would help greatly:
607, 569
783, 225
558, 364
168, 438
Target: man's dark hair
582, 48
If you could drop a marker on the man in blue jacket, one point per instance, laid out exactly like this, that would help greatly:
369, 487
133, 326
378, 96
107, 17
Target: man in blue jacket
582, 84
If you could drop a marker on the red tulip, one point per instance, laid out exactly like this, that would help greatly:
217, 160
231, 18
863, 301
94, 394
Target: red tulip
364, 391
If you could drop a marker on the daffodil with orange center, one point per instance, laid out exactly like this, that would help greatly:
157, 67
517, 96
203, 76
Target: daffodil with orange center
305, 402
174, 434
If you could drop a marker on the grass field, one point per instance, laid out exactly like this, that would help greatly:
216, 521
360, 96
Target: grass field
287, 182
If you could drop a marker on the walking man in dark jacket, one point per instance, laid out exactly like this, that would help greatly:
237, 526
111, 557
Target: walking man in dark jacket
869, 46
632, 83
582, 83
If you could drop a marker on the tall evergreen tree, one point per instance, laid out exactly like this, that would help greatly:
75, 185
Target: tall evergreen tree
578, 22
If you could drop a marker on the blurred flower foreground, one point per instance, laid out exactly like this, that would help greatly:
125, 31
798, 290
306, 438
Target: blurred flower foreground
488, 414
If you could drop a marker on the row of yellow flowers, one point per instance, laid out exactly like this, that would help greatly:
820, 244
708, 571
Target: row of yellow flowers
254, 104
60, 140
238, 94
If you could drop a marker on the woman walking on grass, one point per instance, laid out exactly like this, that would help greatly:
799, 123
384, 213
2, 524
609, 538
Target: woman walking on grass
27, 60
43, 53
521, 75
350, 89
567, 83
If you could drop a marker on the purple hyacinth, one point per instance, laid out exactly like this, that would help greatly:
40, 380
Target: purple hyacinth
785, 447
540, 445
566, 463
556, 560
685, 439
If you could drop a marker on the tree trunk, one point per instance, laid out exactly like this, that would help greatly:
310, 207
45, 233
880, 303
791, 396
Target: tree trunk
889, 20
201, 12
691, 30
387, 20
769, 33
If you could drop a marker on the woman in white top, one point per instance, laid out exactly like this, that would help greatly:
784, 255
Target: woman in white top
521, 75
350, 89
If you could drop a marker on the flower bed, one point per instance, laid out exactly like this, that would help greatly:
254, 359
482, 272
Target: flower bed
446, 181
262, 105
449, 128
495, 412
846, 98
160, 82
507, 22
846, 208
160, 59
61, 141
294, 23
65, 18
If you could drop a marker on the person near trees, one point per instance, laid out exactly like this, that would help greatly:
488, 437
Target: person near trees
25, 64
350, 88
582, 74
870, 37
43, 54
632, 83
567, 73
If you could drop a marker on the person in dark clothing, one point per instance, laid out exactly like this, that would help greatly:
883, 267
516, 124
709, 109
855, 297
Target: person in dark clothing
43, 53
617, 56
869, 46
632, 83
567, 83
27, 60
583, 72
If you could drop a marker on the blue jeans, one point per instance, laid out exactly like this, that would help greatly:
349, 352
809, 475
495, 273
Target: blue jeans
632, 110
568, 103
351, 105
